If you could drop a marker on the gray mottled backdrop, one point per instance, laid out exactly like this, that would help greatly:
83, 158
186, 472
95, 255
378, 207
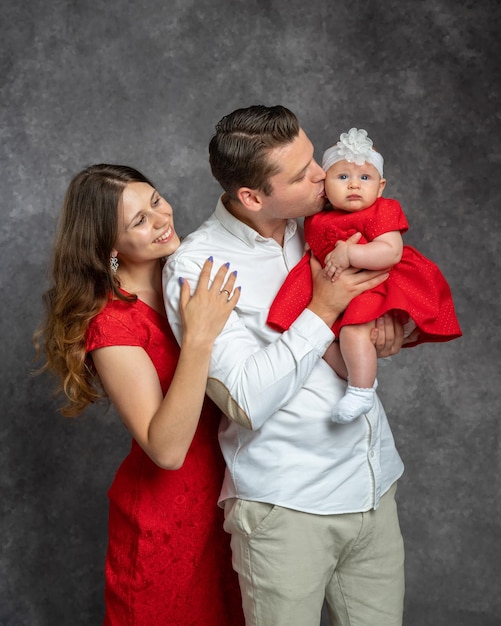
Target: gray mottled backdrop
143, 83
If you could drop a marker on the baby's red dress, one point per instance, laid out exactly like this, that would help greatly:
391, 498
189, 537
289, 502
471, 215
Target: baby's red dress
168, 561
415, 284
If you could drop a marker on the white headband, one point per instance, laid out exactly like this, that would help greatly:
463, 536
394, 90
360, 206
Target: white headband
354, 147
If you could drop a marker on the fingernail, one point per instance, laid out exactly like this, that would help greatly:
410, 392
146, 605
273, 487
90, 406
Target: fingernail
181, 280
227, 265
210, 259
235, 273
239, 288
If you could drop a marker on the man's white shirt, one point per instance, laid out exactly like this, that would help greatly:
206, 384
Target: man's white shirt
280, 445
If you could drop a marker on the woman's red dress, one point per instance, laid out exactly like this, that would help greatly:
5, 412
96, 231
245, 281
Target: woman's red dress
168, 561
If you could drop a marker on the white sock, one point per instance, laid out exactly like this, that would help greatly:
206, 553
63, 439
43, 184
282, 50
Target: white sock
355, 402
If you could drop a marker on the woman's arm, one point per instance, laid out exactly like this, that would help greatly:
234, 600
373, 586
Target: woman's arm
164, 426
383, 252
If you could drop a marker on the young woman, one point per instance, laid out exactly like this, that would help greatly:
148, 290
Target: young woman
105, 334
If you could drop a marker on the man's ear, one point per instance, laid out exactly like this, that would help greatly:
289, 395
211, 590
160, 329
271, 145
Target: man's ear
250, 199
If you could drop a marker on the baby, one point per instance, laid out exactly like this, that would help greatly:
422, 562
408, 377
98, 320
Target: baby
416, 287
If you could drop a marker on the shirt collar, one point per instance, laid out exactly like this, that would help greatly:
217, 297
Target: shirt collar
245, 233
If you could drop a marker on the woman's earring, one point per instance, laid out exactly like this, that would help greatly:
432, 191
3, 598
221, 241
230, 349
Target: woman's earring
114, 264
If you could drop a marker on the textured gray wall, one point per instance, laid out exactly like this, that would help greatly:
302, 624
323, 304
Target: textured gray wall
144, 83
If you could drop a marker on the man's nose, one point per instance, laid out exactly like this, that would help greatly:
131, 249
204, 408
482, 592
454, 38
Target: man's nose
318, 173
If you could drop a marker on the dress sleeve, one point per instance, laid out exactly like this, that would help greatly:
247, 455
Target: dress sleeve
387, 217
110, 328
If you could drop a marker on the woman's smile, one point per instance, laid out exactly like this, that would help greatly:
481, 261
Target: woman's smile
166, 236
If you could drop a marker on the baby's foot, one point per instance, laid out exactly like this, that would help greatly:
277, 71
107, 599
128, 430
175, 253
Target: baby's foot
355, 402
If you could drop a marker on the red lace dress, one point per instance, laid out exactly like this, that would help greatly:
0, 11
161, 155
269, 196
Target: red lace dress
415, 285
168, 560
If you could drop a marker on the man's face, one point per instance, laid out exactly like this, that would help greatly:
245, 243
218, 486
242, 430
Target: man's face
298, 188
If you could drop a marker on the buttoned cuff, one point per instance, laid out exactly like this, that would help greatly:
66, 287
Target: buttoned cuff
314, 330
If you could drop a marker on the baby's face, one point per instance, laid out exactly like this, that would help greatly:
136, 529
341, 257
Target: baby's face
351, 187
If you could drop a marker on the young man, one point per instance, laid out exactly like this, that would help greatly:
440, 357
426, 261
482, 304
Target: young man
309, 503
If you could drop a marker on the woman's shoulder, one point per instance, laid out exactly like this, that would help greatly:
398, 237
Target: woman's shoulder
118, 323
116, 309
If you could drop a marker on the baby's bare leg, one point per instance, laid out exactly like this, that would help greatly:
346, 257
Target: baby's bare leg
359, 354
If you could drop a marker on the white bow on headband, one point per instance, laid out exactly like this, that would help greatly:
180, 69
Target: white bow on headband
355, 147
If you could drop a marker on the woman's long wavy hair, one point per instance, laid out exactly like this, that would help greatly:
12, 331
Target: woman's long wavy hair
81, 280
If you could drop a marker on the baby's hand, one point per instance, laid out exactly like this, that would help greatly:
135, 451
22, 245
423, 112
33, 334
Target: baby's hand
337, 260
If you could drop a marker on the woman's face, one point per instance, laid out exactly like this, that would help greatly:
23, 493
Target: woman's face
145, 225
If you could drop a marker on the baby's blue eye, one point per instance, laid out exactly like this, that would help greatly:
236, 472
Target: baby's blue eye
364, 177
343, 176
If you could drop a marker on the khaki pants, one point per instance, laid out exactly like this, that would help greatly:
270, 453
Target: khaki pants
288, 562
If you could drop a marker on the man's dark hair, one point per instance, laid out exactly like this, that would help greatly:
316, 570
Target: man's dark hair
238, 152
